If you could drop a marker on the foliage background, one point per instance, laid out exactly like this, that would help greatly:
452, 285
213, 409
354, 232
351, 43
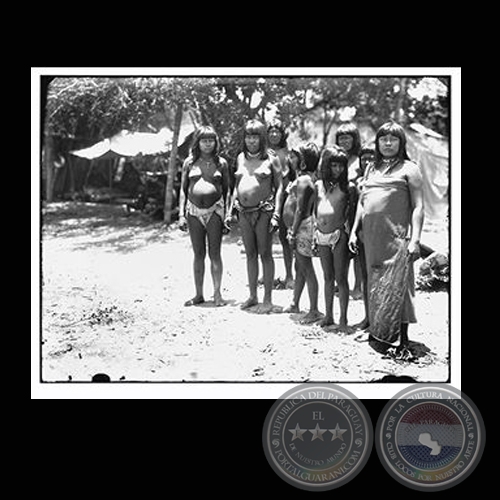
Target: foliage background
88, 109
81, 111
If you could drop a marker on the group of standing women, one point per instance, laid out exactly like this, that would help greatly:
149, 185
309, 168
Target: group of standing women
340, 204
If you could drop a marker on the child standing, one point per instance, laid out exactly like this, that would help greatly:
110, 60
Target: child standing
332, 205
299, 220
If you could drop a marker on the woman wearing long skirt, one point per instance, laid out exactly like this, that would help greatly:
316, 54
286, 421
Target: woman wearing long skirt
391, 212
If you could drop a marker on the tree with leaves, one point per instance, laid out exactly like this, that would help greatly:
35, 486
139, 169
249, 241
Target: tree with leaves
84, 110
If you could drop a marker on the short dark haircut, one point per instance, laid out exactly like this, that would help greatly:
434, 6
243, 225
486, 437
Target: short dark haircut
278, 125
256, 127
204, 132
329, 155
309, 153
391, 128
367, 149
349, 129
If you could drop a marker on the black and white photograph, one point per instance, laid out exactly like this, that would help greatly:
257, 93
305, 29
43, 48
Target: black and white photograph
236, 230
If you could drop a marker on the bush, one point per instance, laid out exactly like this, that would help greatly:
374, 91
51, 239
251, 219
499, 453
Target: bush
434, 273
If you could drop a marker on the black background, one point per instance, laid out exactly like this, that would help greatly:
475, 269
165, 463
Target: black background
200, 448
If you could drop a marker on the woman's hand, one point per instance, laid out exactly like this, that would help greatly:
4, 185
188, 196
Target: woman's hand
314, 248
353, 242
226, 224
183, 226
414, 250
292, 240
274, 223
231, 217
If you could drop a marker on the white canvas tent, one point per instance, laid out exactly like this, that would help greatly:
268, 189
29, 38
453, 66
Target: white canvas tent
130, 144
431, 152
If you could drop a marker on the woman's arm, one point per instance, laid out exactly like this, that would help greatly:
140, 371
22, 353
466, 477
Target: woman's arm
279, 191
183, 195
305, 190
415, 184
226, 196
351, 209
225, 184
353, 237
232, 195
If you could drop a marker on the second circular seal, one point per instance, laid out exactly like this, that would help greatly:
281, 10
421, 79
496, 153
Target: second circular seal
430, 437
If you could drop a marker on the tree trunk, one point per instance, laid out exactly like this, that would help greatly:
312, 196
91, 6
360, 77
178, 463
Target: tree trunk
86, 180
327, 126
172, 167
49, 168
400, 112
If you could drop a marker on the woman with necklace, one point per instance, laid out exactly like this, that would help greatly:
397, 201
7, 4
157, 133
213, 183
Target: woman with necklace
202, 208
333, 201
257, 199
391, 210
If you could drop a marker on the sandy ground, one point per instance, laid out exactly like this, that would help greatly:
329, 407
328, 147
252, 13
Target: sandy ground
113, 288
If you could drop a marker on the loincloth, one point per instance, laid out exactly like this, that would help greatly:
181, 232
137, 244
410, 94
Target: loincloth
304, 238
205, 214
252, 214
329, 239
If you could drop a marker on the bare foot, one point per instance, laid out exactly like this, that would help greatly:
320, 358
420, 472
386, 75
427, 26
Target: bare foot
363, 325
219, 301
345, 328
327, 321
405, 355
400, 353
292, 308
249, 303
356, 294
311, 317
289, 283
268, 308
194, 301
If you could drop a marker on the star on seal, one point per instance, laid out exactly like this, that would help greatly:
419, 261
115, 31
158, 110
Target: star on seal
317, 433
297, 433
294, 442
337, 433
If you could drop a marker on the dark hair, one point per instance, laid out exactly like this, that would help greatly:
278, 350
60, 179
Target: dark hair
351, 130
205, 132
277, 124
256, 127
292, 171
333, 154
391, 128
309, 154
367, 149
